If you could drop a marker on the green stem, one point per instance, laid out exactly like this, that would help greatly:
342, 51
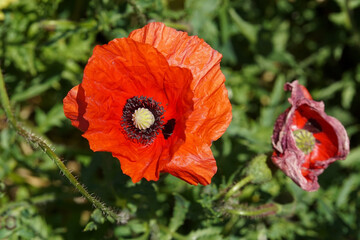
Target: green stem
41, 144
229, 226
237, 186
234, 189
260, 211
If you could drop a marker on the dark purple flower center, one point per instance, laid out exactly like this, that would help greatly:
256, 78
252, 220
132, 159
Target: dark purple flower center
142, 120
313, 126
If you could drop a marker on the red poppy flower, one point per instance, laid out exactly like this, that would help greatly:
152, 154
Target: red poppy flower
156, 100
306, 140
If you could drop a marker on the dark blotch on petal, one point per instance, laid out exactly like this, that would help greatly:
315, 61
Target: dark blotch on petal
168, 128
313, 126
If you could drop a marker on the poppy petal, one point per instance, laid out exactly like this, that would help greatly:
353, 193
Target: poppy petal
181, 75
193, 162
75, 107
147, 167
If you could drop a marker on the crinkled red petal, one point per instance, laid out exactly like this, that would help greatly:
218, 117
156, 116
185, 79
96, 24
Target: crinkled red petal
193, 162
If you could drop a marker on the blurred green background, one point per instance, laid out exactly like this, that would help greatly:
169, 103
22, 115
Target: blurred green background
44, 46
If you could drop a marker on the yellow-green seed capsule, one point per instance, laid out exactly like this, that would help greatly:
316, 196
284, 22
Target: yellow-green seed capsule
305, 140
143, 118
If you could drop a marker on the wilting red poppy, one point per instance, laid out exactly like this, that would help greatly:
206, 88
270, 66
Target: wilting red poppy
156, 100
306, 140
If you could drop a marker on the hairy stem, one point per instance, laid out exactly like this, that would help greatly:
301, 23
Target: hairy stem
37, 141
237, 186
260, 211
233, 189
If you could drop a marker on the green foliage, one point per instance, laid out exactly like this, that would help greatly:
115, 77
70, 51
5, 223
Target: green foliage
258, 170
44, 46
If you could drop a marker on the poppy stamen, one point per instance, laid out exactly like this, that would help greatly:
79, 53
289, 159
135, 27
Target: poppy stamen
304, 140
142, 119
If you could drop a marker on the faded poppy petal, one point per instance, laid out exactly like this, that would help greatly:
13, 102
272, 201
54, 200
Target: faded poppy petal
306, 140
153, 114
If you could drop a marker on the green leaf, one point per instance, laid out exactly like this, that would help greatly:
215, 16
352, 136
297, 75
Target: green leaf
34, 90
348, 186
277, 93
348, 95
352, 160
207, 233
281, 36
180, 209
91, 226
248, 30
259, 170
327, 92
53, 118
97, 216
